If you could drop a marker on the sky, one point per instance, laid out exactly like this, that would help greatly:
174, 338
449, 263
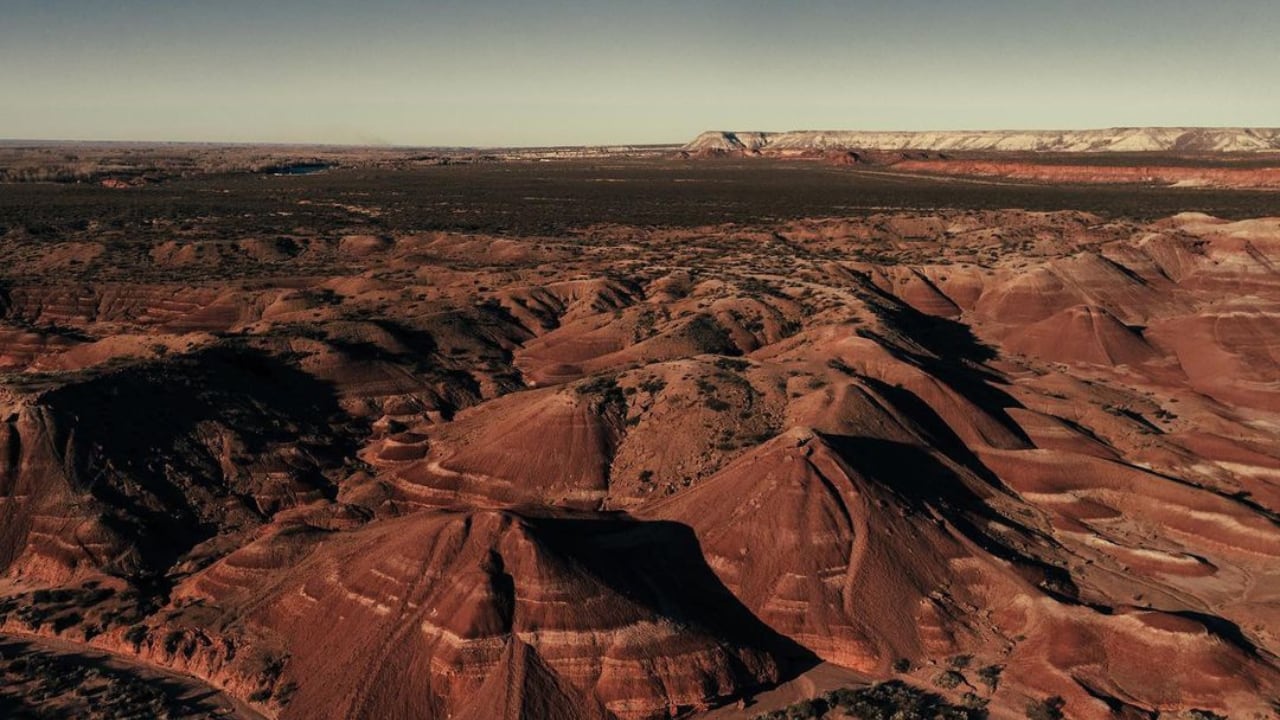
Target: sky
546, 72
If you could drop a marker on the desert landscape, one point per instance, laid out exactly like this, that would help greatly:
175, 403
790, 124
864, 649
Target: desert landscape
795, 425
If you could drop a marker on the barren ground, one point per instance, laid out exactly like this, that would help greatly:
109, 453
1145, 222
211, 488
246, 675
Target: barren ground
636, 437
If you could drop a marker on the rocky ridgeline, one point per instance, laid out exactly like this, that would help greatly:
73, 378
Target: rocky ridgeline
1132, 139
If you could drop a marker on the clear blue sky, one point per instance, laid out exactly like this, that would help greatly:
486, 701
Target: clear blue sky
511, 72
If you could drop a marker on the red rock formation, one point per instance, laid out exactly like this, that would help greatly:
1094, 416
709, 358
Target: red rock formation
639, 472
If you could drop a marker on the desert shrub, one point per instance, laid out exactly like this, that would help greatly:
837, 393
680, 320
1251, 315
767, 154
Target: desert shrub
990, 675
260, 695
272, 668
605, 388
285, 692
715, 403
172, 641
1047, 709
653, 385
840, 366
136, 635
709, 337
949, 679
62, 622
803, 710
732, 364
34, 616
896, 700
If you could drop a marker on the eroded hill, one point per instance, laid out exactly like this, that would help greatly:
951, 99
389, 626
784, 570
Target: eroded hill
641, 471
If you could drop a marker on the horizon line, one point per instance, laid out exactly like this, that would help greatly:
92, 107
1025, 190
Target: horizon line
552, 146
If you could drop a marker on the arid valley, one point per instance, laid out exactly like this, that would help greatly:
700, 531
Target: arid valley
762, 426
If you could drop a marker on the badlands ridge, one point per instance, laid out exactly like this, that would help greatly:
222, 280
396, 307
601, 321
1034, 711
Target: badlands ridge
1116, 140
348, 446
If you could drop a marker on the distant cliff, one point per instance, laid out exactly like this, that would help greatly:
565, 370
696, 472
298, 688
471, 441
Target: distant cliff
1141, 139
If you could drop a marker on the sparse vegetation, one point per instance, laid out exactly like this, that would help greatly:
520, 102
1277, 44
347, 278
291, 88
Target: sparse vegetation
34, 680
893, 700
990, 676
136, 635
949, 679
1047, 709
605, 390
653, 385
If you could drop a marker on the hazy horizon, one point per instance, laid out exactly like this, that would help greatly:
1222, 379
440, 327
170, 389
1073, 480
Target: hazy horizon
501, 73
